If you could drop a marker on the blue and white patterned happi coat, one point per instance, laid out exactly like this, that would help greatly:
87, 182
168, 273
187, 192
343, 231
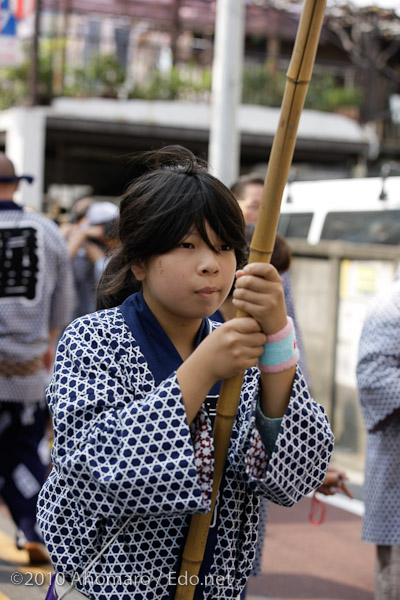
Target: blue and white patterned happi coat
378, 373
123, 450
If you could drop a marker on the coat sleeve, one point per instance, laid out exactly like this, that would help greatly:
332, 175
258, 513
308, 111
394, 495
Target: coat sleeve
301, 453
378, 366
121, 446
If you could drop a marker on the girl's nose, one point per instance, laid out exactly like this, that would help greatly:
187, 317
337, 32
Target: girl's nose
209, 262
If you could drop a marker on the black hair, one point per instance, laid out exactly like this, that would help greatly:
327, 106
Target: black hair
173, 193
239, 187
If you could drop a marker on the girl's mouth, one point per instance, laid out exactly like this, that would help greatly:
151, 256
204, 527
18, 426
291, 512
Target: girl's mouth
207, 291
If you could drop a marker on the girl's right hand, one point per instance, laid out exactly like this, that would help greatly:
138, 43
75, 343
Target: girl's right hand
231, 348
228, 351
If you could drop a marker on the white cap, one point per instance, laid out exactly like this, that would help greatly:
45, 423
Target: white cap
102, 212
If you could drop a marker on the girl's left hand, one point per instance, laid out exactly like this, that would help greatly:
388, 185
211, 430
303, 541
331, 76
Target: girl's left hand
259, 292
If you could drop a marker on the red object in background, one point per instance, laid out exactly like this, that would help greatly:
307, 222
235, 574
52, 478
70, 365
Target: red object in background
317, 511
24, 8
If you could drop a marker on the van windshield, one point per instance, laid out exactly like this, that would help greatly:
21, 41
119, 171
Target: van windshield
295, 225
367, 227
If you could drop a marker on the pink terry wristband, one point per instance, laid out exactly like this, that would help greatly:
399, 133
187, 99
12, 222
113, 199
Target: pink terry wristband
280, 350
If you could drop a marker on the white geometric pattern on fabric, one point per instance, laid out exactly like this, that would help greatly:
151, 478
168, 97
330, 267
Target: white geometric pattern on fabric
122, 447
25, 322
5, 421
44, 451
25, 482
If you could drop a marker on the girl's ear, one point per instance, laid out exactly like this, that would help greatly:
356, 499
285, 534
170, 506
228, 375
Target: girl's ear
139, 271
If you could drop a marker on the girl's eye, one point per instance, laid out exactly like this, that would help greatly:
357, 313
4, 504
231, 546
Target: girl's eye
185, 245
226, 247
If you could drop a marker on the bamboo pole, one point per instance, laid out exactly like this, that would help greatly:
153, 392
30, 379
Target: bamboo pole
261, 247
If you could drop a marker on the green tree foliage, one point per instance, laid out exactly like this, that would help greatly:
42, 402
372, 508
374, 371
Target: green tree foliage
14, 81
178, 84
103, 77
327, 94
263, 84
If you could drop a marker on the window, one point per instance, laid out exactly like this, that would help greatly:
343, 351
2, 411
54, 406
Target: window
295, 225
367, 227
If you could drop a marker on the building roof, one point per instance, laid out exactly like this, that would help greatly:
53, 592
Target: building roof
254, 121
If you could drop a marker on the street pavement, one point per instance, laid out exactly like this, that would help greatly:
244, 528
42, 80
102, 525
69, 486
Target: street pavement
301, 561
18, 580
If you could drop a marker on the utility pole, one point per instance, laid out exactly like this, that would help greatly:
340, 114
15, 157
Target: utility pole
224, 143
34, 71
175, 26
60, 49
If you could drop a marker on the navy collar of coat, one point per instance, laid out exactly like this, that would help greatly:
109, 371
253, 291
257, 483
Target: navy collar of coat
163, 359
9, 205
160, 353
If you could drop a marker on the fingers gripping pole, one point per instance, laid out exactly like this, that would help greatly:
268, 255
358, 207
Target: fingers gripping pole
261, 246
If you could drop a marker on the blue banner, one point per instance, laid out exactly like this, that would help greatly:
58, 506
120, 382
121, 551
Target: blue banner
8, 23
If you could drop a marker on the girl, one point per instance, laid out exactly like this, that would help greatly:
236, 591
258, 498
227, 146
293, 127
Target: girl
134, 391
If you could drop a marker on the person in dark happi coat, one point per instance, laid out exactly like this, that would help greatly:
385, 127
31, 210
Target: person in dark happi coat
36, 300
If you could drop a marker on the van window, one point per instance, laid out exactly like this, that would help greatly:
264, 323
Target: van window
295, 225
375, 227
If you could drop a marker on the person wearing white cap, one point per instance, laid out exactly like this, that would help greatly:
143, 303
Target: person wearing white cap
100, 213
88, 242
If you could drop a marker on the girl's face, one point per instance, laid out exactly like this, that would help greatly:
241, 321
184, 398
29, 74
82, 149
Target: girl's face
189, 281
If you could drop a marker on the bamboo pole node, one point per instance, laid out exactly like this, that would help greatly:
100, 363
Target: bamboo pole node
298, 81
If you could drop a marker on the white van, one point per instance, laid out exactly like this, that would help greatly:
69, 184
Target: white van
363, 210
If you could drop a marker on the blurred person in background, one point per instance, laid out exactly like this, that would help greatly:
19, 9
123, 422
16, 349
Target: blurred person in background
36, 299
378, 379
90, 236
248, 190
